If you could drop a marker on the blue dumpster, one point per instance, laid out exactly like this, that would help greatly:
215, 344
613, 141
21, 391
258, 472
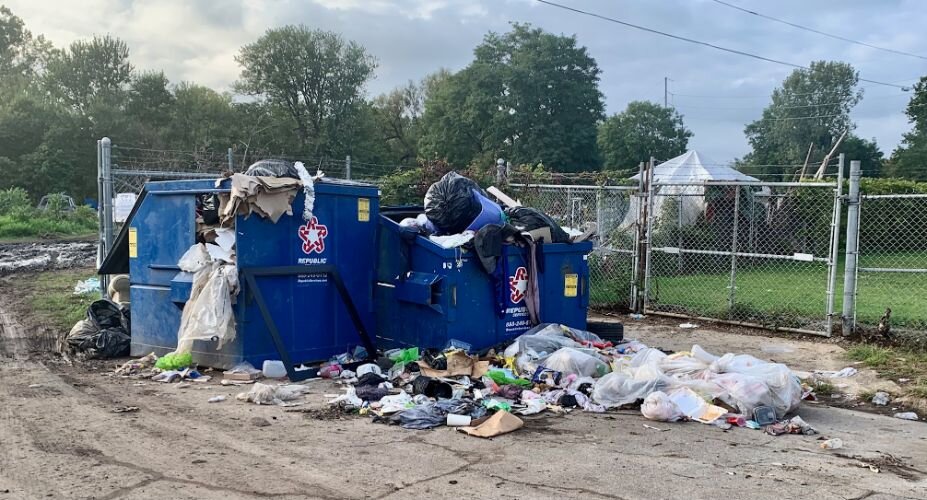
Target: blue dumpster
427, 295
299, 301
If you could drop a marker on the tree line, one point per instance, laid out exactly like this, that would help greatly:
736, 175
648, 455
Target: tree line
528, 96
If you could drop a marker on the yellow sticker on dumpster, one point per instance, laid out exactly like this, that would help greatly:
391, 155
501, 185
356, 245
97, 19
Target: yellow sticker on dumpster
363, 209
570, 285
133, 242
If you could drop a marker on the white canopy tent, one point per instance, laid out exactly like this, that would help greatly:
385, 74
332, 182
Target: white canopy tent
673, 179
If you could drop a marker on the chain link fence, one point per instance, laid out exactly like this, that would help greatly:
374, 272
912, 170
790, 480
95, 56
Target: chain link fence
743, 252
891, 282
612, 211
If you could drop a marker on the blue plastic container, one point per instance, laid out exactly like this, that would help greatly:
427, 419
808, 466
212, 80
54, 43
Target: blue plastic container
427, 295
306, 308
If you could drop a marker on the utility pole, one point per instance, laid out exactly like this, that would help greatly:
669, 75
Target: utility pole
665, 92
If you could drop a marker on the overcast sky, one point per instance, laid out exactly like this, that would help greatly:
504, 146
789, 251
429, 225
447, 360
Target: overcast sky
196, 40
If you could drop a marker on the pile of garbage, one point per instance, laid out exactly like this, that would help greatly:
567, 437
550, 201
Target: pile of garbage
554, 368
104, 333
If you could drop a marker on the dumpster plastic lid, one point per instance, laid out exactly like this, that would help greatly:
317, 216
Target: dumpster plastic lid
117, 260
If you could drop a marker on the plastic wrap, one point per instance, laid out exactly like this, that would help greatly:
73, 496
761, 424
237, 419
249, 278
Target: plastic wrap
618, 389
568, 360
658, 406
308, 189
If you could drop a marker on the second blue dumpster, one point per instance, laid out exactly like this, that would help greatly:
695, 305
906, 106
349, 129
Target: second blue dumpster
427, 295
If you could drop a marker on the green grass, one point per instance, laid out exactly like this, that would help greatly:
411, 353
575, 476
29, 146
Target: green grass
52, 298
780, 293
895, 363
39, 225
871, 356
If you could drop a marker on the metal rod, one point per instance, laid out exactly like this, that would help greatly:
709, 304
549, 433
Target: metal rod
347, 167
635, 257
101, 250
107, 201
651, 194
578, 187
834, 247
891, 270
733, 285
751, 183
673, 250
873, 196
852, 250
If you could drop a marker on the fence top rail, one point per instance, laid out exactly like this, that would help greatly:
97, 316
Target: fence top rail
748, 183
578, 187
883, 196
166, 173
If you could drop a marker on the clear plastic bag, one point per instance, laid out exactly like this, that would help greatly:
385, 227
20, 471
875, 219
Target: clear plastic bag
568, 360
618, 389
194, 259
208, 314
741, 375
658, 406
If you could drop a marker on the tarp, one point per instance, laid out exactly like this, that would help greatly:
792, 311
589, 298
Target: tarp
688, 168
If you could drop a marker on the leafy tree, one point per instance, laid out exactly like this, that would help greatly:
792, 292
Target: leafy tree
642, 130
150, 105
398, 114
315, 75
866, 151
528, 95
202, 119
90, 71
21, 54
811, 106
909, 160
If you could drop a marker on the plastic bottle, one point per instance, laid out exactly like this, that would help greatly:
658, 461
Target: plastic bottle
274, 369
331, 370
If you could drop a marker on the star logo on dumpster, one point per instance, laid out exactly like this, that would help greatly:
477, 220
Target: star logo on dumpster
518, 284
313, 235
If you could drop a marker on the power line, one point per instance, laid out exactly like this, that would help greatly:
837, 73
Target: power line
812, 30
697, 42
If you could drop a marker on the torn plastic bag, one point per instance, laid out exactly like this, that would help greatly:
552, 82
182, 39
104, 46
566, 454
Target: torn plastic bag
530, 219
208, 313
272, 168
685, 367
308, 190
784, 388
461, 407
194, 259
618, 389
450, 204
658, 406
106, 314
568, 360
422, 417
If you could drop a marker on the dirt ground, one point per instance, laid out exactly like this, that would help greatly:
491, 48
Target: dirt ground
61, 438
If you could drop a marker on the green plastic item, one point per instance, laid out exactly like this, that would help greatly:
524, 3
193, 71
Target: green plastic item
406, 356
492, 404
499, 377
174, 361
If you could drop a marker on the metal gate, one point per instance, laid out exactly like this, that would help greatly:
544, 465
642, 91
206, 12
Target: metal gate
752, 253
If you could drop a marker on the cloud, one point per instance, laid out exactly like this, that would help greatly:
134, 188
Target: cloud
197, 41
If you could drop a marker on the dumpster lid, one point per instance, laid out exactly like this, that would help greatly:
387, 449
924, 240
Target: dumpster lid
117, 260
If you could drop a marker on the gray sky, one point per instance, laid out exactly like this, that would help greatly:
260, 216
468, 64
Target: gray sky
196, 40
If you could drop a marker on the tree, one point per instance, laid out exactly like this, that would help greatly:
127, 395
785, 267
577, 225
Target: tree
909, 160
398, 115
88, 73
642, 130
315, 75
528, 95
202, 119
150, 103
866, 151
810, 107
21, 54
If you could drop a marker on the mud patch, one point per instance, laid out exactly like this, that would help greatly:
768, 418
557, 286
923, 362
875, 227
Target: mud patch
324, 413
40, 256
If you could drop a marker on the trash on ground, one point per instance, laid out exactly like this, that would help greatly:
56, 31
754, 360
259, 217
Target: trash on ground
846, 372
832, 444
501, 422
140, 366
688, 325
908, 415
125, 409
216, 399
795, 425
103, 334
880, 398
265, 394
243, 371
174, 361
87, 286
273, 369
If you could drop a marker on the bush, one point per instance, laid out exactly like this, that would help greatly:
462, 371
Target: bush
14, 200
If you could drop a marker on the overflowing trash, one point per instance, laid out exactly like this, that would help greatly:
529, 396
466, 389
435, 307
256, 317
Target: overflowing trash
104, 333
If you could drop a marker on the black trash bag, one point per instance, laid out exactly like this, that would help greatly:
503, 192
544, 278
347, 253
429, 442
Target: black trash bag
100, 344
107, 314
532, 218
207, 205
272, 168
450, 204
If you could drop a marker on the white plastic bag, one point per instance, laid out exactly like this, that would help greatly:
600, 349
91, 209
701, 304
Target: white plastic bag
568, 360
208, 314
194, 259
782, 388
658, 406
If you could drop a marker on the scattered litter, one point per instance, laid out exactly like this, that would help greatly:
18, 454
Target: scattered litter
832, 444
908, 415
654, 428
137, 366
35, 386
795, 425
125, 409
880, 398
244, 372
688, 325
264, 394
636, 316
273, 369
87, 286
846, 372
174, 361
216, 399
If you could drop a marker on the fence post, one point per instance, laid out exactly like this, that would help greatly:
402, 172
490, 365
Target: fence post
231, 161
834, 247
733, 284
636, 256
106, 202
649, 233
599, 193
101, 239
347, 167
852, 251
